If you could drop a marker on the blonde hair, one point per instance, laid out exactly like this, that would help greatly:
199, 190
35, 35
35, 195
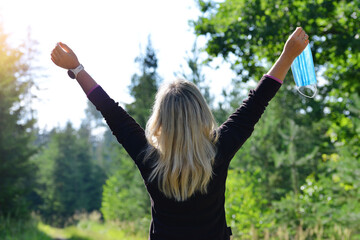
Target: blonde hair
182, 136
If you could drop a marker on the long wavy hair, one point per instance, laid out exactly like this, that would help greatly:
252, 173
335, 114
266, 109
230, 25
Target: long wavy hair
182, 136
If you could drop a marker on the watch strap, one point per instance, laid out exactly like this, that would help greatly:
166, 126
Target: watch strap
74, 72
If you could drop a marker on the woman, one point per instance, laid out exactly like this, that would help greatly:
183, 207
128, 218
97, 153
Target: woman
182, 157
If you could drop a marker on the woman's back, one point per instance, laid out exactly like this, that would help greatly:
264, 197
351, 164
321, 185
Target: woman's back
201, 216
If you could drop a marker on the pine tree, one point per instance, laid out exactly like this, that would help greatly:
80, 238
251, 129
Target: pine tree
16, 170
143, 87
196, 75
69, 180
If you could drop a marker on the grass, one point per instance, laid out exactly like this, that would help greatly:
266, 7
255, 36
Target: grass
85, 229
284, 233
21, 230
89, 228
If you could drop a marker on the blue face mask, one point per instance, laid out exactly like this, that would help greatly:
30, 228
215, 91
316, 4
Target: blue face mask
304, 73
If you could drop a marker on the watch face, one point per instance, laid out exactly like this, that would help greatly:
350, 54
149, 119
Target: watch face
71, 74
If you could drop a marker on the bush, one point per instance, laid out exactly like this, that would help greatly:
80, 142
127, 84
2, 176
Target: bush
124, 196
245, 206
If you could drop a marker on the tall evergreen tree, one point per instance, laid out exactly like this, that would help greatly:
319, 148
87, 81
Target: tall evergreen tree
144, 86
68, 181
16, 125
196, 75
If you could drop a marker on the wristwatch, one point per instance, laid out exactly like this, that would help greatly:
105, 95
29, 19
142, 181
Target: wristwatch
74, 72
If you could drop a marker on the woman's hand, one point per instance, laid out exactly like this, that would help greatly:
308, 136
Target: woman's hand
64, 57
296, 43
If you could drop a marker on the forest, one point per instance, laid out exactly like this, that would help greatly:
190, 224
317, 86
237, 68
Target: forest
297, 176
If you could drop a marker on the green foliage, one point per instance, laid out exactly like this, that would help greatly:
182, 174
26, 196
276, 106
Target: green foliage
308, 182
251, 34
195, 75
327, 199
143, 87
68, 180
307, 150
125, 197
16, 126
21, 229
232, 100
245, 205
325, 203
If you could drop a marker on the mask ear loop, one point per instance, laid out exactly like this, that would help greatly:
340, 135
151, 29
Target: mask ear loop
314, 89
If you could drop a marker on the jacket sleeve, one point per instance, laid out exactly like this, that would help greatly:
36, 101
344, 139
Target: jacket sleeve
239, 126
123, 126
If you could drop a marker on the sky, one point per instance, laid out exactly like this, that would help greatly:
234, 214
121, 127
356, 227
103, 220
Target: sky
106, 36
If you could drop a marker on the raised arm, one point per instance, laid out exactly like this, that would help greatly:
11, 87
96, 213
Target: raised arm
122, 125
295, 44
240, 125
64, 57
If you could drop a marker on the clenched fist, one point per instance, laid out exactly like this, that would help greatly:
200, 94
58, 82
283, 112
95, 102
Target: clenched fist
64, 57
296, 43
